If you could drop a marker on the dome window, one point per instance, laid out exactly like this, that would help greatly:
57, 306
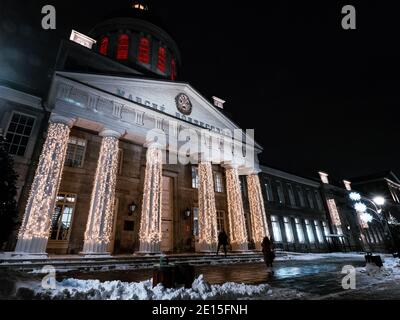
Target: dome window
104, 46
123, 47
161, 59
173, 70
144, 50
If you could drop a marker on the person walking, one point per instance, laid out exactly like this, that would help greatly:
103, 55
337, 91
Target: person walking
268, 253
222, 241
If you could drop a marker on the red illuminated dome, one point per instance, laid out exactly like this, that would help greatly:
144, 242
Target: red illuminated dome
131, 39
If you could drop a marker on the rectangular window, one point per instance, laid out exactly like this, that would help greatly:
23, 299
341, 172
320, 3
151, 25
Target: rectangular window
288, 230
268, 190
221, 220
291, 195
18, 134
310, 199
75, 152
301, 196
196, 222
276, 229
62, 217
281, 196
218, 182
195, 178
161, 59
326, 228
319, 231
319, 201
339, 230
299, 230
310, 232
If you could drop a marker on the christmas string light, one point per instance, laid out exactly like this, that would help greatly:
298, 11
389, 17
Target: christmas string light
208, 233
258, 218
100, 221
334, 212
150, 224
36, 224
237, 223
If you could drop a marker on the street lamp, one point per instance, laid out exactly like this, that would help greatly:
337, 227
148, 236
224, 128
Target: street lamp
380, 201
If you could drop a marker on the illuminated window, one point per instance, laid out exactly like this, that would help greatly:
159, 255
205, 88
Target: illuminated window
299, 230
104, 46
75, 152
18, 133
288, 230
144, 50
195, 178
123, 47
310, 232
161, 59
62, 217
218, 182
326, 228
319, 232
173, 70
276, 229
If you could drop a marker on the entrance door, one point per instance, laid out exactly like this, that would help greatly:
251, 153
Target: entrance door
167, 215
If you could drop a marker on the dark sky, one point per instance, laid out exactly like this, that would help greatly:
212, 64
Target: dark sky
318, 97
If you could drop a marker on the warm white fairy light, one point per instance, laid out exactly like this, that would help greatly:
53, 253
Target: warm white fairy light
100, 220
35, 228
150, 224
237, 223
364, 218
334, 212
259, 224
208, 236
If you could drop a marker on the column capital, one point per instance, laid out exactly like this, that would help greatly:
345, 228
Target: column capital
231, 164
55, 118
154, 144
110, 133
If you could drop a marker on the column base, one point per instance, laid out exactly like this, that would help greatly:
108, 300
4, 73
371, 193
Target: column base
240, 247
206, 247
149, 248
93, 249
23, 256
34, 246
258, 246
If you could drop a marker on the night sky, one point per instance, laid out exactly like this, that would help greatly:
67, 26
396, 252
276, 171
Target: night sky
318, 97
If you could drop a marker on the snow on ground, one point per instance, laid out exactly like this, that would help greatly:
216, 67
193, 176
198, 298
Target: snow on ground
201, 290
316, 256
389, 271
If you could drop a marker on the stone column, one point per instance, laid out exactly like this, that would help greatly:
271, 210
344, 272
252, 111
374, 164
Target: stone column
208, 233
35, 229
237, 223
259, 224
100, 220
150, 224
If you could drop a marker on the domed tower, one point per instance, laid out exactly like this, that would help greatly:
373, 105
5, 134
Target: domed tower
130, 38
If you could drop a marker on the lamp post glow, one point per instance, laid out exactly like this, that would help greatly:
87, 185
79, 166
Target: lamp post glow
380, 201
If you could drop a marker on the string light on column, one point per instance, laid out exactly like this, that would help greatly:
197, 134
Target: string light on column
150, 224
100, 220
36, 224
237, 223
207, 213
258, 218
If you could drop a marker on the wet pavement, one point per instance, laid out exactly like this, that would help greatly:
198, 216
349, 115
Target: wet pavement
316, 277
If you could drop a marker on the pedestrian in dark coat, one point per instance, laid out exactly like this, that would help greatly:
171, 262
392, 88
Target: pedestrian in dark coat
268, 252
222, 241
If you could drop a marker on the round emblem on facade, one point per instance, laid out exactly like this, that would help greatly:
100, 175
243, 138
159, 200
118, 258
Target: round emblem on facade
183, 104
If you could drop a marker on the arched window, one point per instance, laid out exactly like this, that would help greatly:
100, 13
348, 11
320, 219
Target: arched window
161, 59
173, 70
104, 46
144, 50
123, 47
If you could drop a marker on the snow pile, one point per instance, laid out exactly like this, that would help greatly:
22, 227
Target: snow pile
117, 290
391, 268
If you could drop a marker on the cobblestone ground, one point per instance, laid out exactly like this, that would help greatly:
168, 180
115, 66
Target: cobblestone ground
319, 278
